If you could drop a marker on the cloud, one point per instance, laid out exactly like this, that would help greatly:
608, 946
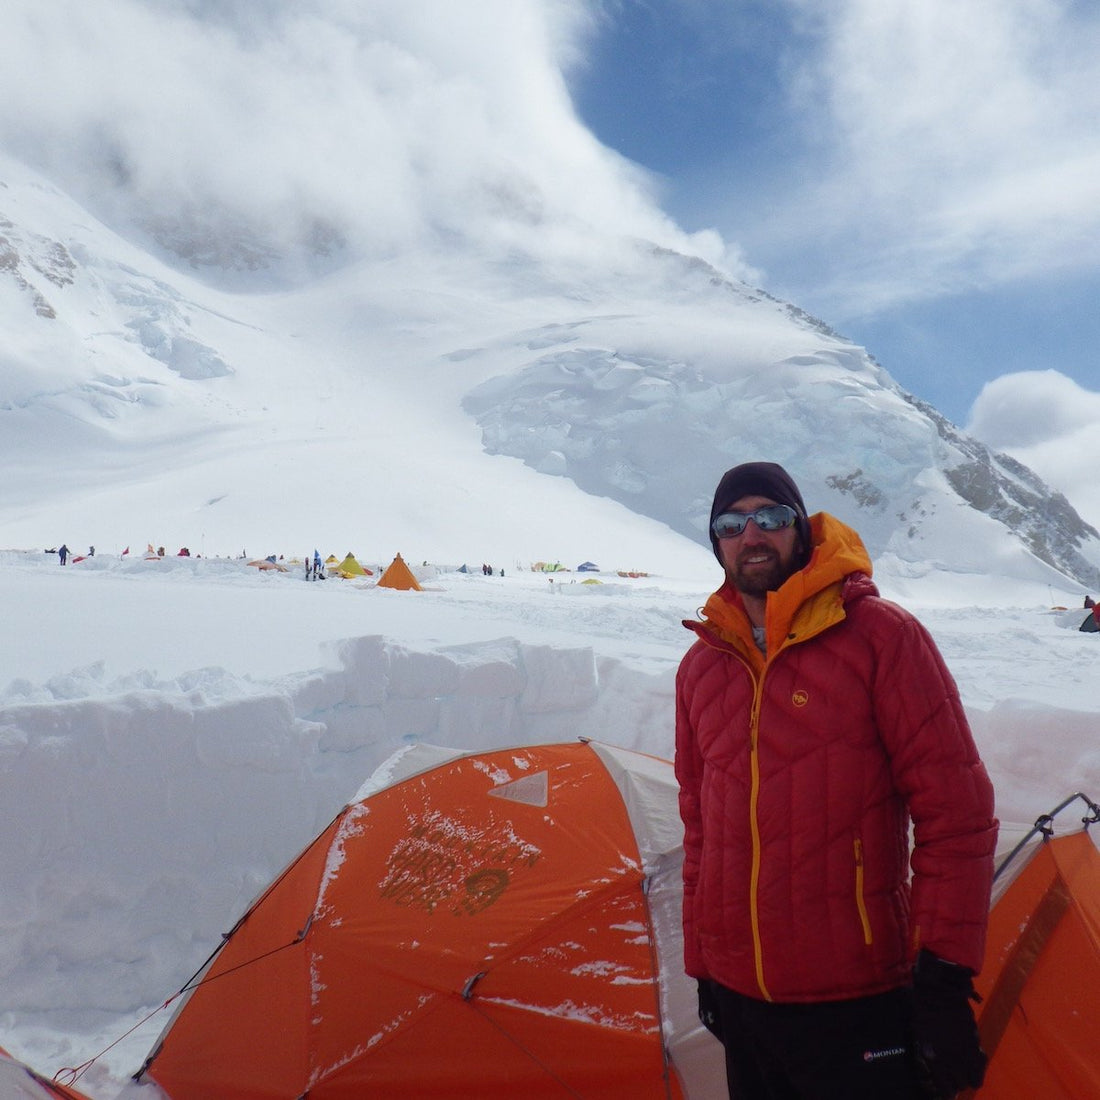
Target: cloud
937, 146
1051, 424
322, 122
1032, 407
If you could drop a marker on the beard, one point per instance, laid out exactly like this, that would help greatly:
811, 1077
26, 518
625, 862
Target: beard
759, 578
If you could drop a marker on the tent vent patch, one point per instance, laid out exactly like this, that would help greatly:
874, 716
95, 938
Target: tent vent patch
534, 790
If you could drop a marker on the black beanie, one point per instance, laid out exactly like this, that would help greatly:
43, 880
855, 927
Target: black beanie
759, 479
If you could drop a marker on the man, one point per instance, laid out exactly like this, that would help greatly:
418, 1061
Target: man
813, 721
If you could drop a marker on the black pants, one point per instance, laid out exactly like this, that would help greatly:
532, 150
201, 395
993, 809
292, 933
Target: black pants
833, 1050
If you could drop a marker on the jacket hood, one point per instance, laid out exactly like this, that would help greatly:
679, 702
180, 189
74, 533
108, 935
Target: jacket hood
838, 551
839, 571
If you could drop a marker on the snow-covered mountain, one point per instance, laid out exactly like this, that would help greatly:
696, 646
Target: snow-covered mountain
448, 402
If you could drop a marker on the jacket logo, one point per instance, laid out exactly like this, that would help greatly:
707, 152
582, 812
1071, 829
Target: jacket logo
800, 698
888, 1052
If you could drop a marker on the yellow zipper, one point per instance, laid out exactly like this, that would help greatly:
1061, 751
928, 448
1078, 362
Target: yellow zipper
754, 794
754, 797
860, 902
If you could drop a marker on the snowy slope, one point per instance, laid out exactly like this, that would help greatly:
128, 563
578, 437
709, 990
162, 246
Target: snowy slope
451, 406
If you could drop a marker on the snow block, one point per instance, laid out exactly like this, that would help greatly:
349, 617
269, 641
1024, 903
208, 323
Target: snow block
558, 679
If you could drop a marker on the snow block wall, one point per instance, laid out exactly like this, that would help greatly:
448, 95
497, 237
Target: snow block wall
141, 823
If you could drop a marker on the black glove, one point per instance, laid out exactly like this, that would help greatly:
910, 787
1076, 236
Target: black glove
947, 1048
709, 1015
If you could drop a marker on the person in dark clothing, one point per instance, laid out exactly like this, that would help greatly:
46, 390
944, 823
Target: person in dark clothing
63, 553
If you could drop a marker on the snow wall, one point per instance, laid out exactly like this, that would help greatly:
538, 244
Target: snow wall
140, 825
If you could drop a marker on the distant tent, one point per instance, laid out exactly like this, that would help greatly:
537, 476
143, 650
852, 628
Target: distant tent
591, 580
485, 926
399, 575
332, 559
266, 565
588, 567
1040, 982
349, 567
20, 1082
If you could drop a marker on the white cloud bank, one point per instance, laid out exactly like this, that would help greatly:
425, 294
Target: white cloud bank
938, 147
319, 122
968, 132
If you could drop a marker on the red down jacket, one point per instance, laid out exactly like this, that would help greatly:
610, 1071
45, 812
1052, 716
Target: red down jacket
798, 776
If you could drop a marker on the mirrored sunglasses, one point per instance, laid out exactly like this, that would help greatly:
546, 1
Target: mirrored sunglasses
772, 517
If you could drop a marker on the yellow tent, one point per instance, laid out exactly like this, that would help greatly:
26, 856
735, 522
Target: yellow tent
399, 575
349, 567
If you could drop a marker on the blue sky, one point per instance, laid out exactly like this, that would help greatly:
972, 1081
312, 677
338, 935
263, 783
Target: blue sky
925, 178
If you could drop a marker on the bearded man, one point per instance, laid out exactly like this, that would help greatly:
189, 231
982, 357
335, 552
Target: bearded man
815, 722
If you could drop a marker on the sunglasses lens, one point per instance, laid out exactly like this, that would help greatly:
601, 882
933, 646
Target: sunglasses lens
730, 525
772, 517
775, 517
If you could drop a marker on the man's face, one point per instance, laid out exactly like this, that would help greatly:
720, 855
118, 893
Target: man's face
758, 562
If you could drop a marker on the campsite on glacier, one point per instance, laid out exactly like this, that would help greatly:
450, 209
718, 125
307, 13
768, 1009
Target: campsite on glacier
436, 319
176, 730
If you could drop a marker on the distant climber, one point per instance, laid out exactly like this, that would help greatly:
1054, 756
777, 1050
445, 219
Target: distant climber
63, 553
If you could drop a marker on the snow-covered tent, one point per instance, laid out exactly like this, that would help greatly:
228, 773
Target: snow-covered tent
481, 925
588, 567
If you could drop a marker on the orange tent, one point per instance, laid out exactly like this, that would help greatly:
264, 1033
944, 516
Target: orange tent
399, 575
1040, 982
20, 1082
492, 925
